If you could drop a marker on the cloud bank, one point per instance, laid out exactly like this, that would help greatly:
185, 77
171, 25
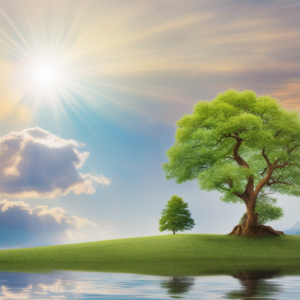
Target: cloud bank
36, 163
23, 225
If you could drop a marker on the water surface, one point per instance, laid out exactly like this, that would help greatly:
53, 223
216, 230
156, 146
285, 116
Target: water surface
88, 285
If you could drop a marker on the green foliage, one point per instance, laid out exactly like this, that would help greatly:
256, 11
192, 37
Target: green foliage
267, 211
176, 216
204, 144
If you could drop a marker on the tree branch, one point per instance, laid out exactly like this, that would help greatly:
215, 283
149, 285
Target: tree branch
292, 149
282, 166
230, 182
266, 179
230, 157
248, 193
266, 157
264, 170
240, 161
223, 188
262, 113
274, 181
276, 135
270, 168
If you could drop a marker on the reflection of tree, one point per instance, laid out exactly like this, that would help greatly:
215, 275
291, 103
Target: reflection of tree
178, 285
254, 286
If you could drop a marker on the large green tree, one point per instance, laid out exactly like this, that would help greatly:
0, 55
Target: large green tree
244, 146
176, 216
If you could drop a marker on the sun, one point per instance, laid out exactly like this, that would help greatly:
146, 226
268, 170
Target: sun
45, 75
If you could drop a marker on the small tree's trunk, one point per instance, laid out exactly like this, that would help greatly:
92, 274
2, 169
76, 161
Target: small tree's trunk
173, 231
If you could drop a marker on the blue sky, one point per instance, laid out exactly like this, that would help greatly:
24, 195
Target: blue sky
116, 76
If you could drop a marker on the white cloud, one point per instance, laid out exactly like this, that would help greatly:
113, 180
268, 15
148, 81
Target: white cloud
36, 163
24, 225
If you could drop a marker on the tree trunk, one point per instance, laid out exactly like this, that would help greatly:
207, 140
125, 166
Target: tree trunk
250, 227
173, 231
250, 222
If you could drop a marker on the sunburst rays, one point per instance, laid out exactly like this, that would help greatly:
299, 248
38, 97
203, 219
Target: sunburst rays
52, 51
152, 57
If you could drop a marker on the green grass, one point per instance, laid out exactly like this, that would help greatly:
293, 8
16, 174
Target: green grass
180, 254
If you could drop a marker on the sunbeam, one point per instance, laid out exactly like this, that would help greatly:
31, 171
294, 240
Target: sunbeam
48, 61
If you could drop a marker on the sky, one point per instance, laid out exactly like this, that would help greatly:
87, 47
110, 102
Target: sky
90, 92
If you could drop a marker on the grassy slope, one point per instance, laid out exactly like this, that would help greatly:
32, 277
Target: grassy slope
180, 254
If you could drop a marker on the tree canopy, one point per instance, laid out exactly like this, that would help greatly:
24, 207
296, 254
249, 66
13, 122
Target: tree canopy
245, 146
176, 216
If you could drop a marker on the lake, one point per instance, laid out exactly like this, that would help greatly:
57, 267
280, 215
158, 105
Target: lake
92, 285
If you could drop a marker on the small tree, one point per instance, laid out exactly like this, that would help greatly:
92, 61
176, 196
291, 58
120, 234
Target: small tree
176, 216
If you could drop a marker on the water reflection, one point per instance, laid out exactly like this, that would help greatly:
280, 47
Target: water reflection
35, 286
255, 286
88, 285
178, 285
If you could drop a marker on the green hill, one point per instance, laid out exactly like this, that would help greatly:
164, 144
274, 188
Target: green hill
180, 254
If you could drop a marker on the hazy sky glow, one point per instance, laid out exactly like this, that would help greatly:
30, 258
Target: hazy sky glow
115, 76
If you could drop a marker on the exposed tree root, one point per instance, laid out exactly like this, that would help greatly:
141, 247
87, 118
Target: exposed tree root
237, 230
255, 230
260, 230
